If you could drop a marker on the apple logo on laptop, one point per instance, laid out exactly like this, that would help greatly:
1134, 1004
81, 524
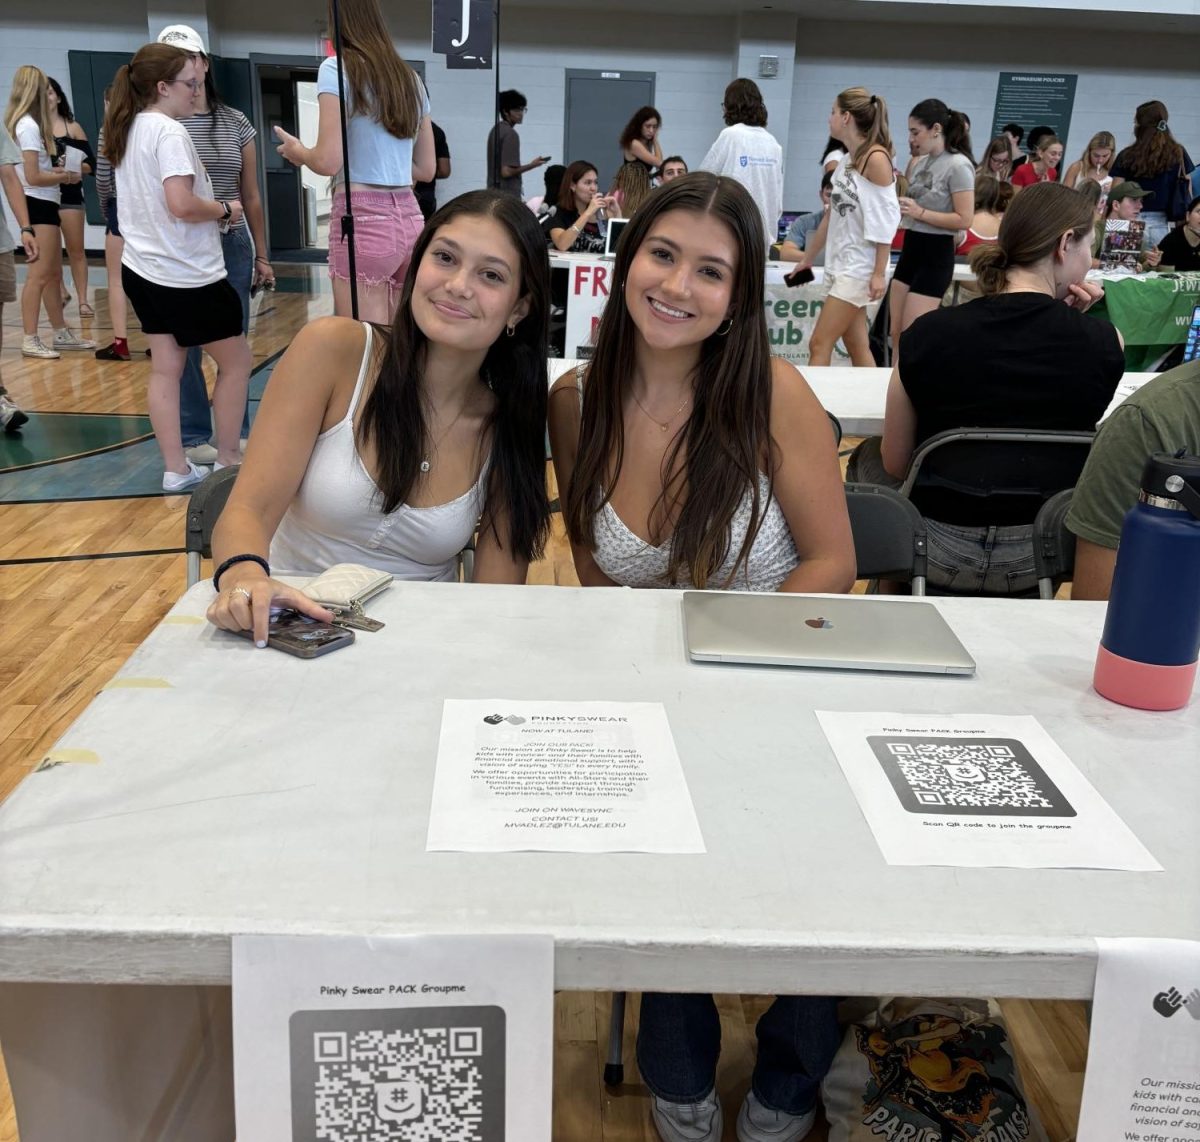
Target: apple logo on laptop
818, 624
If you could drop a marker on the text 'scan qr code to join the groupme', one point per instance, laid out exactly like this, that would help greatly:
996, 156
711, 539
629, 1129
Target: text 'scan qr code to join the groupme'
982, 776
412, 1074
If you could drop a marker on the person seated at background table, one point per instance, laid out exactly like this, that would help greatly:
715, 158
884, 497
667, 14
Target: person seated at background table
1095, 164
1096, 196
1042, 165
389, 447
543, 204
630, 188
1162, 416
575, 225
687, 456
1036, 134
857, 230
1155, 160
1022, 356
1014, 133
992, 196
997, 160
1180, 249
672, 167
794, 245
1124, 205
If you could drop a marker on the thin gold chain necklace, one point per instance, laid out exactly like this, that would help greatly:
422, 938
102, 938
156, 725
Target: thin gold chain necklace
661, 426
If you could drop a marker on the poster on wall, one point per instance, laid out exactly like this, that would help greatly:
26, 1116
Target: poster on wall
463, 31
1034, 99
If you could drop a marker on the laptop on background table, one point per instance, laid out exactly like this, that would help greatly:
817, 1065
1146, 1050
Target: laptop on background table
850, 633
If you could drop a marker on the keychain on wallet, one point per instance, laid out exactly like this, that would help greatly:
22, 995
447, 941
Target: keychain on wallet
344, 589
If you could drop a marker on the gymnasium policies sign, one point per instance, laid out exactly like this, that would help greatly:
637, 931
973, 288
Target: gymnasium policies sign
1034, 99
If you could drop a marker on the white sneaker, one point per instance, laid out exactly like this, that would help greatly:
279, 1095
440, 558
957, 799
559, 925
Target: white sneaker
11, 417
64, 339
177, 482
35, 347
757, 1123
688, 1121
201, 453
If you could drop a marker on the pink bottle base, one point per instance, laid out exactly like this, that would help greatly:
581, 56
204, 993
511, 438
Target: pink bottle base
1141, 684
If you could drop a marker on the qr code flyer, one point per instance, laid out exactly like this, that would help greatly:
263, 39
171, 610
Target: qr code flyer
395, 1039
976, 791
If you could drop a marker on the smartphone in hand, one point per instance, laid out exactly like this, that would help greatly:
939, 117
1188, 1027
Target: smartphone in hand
297, 634
799, 277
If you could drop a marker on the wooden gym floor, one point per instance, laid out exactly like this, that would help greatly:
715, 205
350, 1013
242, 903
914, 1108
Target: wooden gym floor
90, 560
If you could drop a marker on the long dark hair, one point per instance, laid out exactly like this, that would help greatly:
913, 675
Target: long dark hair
633, 129
728, 435
514, 368
933, 112
1154, 149
134, 88
573, 173
64, 104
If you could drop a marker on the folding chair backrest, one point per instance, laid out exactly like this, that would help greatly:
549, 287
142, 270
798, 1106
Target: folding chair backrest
1053, 544
1015, 470
204, 509
889, 535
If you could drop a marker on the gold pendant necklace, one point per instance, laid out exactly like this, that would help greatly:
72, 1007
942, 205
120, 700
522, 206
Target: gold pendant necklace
661, 426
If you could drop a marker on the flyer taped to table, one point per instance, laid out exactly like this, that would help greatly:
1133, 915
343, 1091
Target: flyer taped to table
356, 1039
977, 791
583, 777
1143, 1063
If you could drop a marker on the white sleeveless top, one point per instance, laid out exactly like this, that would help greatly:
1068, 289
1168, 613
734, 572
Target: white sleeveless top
336, 516
630, 561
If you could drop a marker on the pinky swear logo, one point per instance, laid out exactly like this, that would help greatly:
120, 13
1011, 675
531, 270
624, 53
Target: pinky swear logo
511, 719
1166, 1003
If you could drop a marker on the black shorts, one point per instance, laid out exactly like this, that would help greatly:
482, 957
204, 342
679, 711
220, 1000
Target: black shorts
41, 212
926, 263
72, 196
197, 315
110, 218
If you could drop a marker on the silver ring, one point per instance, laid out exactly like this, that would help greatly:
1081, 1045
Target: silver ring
239, 590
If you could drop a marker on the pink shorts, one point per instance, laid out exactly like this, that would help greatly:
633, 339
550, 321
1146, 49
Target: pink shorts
386, 226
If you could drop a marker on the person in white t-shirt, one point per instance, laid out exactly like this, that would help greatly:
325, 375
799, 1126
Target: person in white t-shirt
27, 119
172, 268
748, 153
857, 231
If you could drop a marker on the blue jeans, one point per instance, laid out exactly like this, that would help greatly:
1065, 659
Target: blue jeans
679, 1039
195, 413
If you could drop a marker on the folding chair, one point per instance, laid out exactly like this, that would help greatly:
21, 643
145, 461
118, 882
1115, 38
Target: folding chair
889, 535
204, 508
1053, 545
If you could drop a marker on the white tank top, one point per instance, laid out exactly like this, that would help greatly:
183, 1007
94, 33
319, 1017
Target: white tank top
336, 516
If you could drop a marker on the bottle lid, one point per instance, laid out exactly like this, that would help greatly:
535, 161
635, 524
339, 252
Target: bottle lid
1173, 477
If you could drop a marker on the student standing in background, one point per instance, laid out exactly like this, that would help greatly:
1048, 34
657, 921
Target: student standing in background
504, 167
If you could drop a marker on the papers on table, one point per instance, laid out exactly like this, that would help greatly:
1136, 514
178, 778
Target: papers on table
413, 1037
976, 791
559, 776
1143, 1063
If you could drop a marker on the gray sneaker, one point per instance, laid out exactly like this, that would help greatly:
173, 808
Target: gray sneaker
11, 417
688, 1121
66, 341
201, 453
757, 1123
35, 347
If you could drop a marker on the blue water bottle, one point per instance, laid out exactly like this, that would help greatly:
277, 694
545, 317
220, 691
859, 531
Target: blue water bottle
1151, 637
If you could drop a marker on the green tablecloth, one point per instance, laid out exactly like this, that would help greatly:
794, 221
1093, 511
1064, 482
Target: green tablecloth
1151, 311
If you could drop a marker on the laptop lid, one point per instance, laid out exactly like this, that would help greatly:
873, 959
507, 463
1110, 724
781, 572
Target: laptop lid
848, 633
611, 236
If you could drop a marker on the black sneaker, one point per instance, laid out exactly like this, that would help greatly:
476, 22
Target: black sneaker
111, 353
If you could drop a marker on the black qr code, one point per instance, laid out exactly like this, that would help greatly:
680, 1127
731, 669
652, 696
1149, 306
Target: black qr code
410, 1074
983, 776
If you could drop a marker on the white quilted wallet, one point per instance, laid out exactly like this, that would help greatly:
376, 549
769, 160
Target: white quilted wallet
347, 586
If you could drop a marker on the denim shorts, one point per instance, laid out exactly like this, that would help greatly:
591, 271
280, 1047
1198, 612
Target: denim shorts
386, 226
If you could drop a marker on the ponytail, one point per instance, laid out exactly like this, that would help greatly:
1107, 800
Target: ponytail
958, 137
870, 116
134, 88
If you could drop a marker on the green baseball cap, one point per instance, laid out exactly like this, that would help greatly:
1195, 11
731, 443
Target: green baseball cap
1126, 190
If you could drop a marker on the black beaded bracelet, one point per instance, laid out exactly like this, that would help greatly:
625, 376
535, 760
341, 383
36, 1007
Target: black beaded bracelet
238, 559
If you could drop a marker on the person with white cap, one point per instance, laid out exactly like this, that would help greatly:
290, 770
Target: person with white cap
225, 141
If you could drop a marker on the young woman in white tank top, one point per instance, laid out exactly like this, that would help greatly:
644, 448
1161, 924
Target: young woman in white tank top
695, 459
389, 448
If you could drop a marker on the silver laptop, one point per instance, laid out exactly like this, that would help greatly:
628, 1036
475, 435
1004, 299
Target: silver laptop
612, 235
849, 633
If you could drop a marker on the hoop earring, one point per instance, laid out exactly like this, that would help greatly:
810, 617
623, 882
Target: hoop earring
728, 326
511, 330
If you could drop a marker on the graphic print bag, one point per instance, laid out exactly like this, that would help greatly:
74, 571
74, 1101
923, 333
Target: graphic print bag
928, 1070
